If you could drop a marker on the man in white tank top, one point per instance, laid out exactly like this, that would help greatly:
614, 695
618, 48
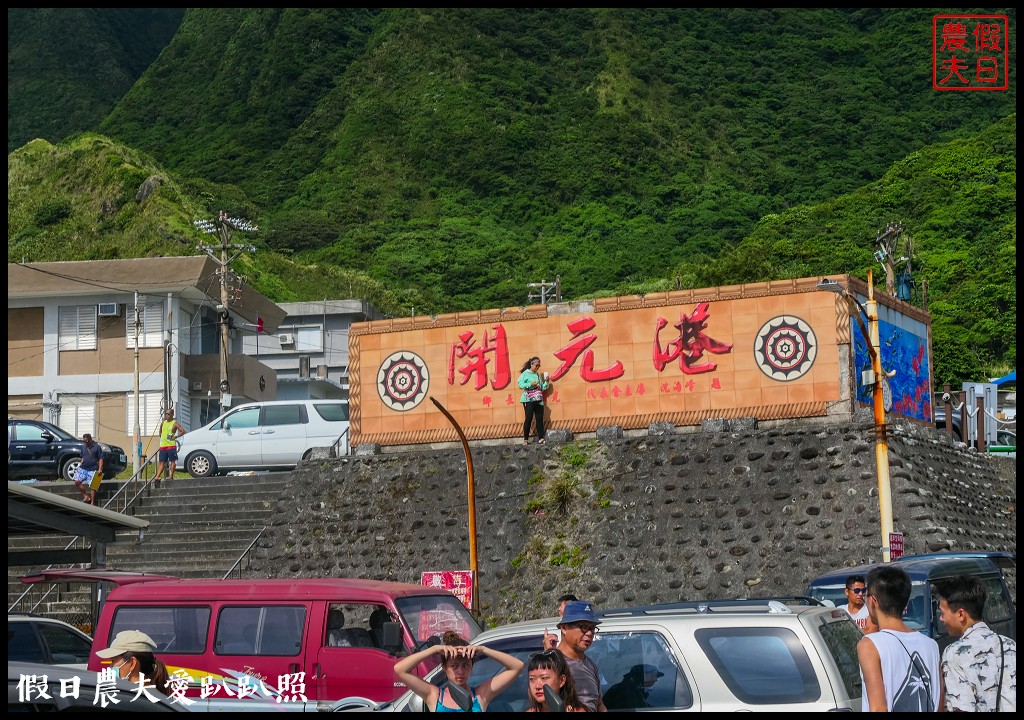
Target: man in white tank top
899, 667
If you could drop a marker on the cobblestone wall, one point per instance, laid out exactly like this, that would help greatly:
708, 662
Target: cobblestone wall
629, 520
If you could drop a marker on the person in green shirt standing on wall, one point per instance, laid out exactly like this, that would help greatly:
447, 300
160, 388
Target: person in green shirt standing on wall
170, 431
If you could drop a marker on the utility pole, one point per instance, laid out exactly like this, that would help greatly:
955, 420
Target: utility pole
223, 227
546, 291
137, 436
886, 254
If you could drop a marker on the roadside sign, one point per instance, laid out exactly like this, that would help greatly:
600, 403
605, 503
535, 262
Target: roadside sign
895, 545
458, 582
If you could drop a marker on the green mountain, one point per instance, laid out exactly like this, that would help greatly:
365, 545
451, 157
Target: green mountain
67, 68
446, 157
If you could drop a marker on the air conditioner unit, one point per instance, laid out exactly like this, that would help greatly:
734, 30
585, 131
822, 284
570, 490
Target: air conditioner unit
108, 310
286, 339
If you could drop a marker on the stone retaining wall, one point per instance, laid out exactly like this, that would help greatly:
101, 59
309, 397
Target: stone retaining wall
634, 520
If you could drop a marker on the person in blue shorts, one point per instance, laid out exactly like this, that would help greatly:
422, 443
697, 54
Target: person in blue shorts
170, 431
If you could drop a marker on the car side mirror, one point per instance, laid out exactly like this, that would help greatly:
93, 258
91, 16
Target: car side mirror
461, 696
391, 637
553, 700
46, 436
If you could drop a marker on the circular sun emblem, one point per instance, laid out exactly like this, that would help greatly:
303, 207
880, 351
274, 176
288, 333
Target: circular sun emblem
402, 380
785, 348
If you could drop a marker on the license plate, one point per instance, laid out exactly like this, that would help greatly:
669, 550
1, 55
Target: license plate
124, 458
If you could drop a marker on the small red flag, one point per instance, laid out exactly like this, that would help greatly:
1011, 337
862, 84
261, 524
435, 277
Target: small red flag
259, 324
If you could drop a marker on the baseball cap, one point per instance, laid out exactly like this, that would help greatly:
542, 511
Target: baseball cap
579, 611
128, 641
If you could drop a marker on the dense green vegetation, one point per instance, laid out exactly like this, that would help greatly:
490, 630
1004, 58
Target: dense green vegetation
443, 158
67, 67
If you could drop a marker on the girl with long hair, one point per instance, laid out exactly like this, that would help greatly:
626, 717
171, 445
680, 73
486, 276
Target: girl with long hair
550, 668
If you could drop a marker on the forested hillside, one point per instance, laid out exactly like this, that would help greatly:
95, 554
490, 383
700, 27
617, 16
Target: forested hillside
443, 158
68, 67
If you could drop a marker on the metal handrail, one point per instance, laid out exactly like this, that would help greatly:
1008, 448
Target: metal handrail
244, 555
121, 493
336, 447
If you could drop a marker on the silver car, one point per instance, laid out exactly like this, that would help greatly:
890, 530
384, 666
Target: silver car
715, 656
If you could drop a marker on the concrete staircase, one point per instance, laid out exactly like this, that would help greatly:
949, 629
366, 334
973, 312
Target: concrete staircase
198, 529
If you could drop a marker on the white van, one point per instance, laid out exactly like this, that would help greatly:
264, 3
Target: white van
265, 435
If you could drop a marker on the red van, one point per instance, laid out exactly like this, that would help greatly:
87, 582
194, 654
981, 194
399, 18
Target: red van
301, 644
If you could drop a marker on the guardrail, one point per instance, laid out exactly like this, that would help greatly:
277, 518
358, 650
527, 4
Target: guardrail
244, 556
121, 501
341, 443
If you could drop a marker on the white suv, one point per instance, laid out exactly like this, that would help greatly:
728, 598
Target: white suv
715, 656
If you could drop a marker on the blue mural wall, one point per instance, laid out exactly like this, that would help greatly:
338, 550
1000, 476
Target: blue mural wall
906, 352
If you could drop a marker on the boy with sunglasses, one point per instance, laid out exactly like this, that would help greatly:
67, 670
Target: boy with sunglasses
856, 607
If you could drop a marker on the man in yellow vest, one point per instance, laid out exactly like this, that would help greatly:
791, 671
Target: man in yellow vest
170, 431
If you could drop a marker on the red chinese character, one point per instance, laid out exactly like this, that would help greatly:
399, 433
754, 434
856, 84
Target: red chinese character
571, 352
509, 400
678, 386
591, 395
690, 384
665, 387
629, 391
954, 66
716, 384
954, 36
988, 70
988, 36
487, 400
554, 397
640, 389
604, 393
691, 344
615, 391
478, 360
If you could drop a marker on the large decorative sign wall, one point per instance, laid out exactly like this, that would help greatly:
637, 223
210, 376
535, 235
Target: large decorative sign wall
767, 350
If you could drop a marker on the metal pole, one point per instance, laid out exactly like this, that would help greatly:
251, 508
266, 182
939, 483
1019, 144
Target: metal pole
137, 435
881, 439
979, 419
947, 392
224, 337
475, 602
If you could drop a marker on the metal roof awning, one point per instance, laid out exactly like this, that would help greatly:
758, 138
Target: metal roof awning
33, 512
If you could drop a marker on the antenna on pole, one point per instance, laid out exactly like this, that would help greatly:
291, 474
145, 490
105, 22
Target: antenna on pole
224, 226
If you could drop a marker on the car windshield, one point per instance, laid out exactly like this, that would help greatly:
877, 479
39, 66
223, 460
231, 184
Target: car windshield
62, 434
915, 615
433, 615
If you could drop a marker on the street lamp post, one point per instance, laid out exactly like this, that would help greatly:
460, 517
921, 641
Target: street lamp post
871, 337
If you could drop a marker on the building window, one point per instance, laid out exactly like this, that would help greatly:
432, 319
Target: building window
149, 413
151, 332
78, 414
209, 410
309, 339
77, 327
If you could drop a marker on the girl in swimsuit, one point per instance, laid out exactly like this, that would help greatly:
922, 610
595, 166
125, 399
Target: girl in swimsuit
457, 661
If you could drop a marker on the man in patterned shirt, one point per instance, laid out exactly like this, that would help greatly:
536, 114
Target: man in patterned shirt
980, 668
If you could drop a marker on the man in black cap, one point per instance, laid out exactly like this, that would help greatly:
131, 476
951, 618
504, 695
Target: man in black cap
579, 627
631, 692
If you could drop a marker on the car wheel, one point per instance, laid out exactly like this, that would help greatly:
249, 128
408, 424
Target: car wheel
70, 466
201, 464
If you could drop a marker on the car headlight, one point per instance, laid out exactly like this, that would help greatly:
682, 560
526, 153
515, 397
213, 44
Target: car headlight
105, 448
